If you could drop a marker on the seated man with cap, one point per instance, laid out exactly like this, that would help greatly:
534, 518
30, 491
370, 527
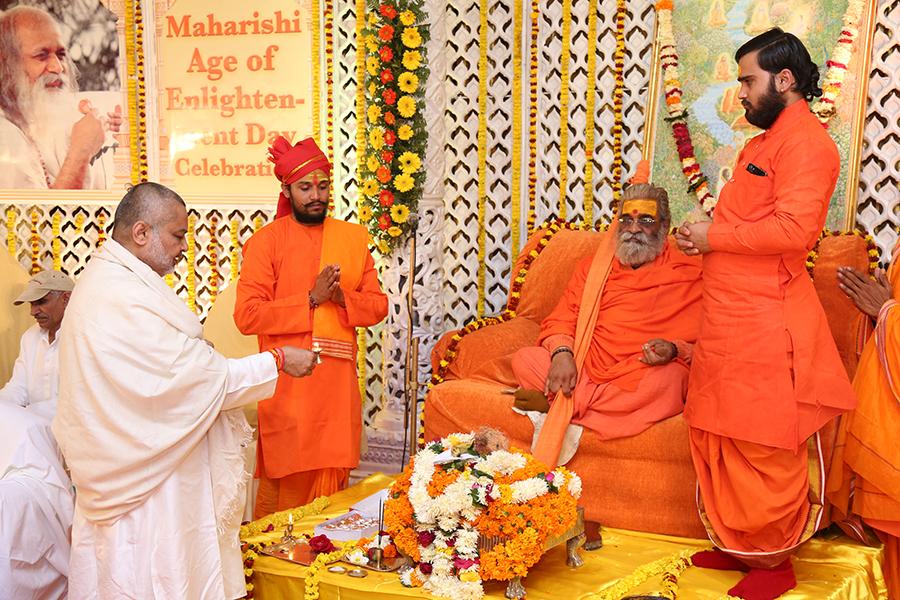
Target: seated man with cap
35, 379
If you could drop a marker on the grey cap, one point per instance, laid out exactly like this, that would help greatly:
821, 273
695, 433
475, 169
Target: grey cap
43, 283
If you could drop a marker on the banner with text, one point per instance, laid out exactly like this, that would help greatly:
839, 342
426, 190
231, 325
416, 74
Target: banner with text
232, 77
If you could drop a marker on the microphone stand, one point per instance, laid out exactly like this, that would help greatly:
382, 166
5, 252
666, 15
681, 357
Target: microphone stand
411, 367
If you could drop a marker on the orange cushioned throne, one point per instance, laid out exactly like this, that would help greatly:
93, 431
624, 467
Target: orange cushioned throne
645, 482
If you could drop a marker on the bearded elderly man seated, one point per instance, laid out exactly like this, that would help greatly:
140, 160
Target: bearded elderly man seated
617, 346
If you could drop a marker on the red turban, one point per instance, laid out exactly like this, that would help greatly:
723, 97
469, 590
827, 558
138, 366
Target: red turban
292, 163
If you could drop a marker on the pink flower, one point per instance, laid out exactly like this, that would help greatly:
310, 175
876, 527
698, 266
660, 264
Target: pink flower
464, 563
425, 568
321, 543
425, 539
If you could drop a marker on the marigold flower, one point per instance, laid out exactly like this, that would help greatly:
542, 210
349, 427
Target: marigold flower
410, 37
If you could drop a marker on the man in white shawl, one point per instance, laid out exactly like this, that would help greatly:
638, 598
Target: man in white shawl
36, 505
149, 420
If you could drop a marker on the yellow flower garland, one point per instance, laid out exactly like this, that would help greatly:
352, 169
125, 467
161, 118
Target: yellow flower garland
35, 244
482, 149
190, 258
311, 582
11, 231
564, 60
56, 244
79, 223
234, 250
316, 69
590, 104
137, 90
361, 333
516, 160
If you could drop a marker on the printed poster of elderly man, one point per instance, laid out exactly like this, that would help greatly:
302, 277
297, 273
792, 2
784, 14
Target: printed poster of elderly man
60, 94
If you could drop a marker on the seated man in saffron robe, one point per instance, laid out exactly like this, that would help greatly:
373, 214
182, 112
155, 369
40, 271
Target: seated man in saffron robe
864, 483
641, 319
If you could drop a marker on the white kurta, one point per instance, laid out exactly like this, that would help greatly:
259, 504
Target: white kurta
35, 378
145, 422
36, 505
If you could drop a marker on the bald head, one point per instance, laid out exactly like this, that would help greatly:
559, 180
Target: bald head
151, 223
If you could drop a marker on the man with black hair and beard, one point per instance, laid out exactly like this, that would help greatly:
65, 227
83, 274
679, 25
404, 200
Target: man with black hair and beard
47, 138
308, 280
766, 375
644, 300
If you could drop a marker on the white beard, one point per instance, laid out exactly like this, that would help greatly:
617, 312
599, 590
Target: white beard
639, 248
49, 114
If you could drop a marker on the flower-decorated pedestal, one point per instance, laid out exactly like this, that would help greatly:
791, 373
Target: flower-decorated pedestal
574, 539
467, 510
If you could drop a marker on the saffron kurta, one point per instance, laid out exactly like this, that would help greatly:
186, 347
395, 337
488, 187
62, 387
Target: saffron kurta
766, 374
312, 423
617, 395
865, 477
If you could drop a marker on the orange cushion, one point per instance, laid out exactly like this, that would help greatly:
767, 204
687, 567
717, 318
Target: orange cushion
486, 353
643, 483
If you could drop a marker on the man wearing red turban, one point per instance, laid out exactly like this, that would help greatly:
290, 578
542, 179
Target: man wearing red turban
308, 280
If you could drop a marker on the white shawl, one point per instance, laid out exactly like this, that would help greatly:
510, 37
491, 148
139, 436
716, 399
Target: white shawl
139, 390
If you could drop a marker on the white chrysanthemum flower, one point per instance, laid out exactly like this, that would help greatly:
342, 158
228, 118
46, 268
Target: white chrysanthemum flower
574, 485
501, 462
357, 557
467, 542
523, 491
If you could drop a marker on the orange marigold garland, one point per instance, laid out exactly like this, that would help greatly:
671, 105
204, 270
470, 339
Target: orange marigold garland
532, 115
618, 94
551, 228
35, 243
213, 259
101, 227
486, 513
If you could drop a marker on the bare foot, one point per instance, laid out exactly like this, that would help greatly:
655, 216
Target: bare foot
531, 400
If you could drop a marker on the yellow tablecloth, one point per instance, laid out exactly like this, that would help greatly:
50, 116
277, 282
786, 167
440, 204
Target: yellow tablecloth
836, 568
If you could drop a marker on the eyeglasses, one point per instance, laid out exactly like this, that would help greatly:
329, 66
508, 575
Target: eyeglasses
645, 221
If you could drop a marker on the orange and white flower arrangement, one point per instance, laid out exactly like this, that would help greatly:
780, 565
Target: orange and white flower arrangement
467, 488
824, 108
392, 171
